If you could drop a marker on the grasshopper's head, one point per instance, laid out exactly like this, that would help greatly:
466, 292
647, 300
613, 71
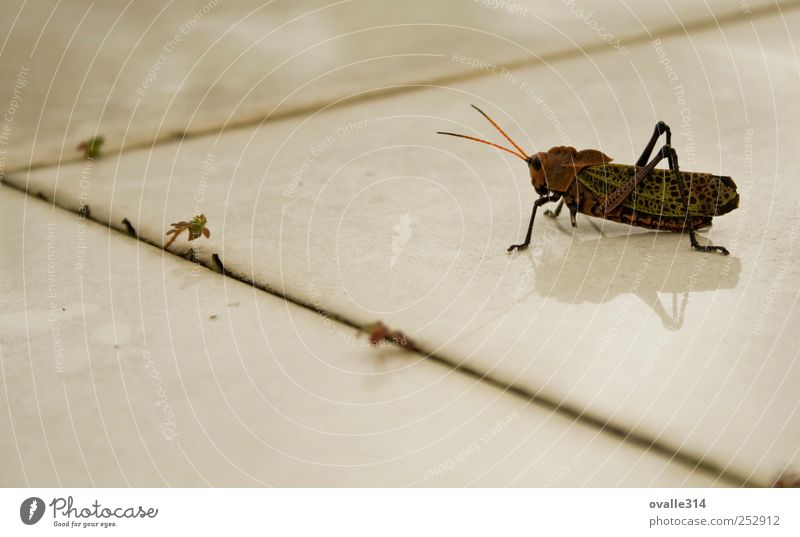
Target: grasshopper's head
536, 166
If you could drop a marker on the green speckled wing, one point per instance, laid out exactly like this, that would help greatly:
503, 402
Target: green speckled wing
657, 194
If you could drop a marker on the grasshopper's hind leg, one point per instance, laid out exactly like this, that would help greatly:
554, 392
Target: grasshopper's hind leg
661, 128
672, 157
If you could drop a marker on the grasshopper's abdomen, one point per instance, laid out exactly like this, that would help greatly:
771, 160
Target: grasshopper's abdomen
633, 217
656, 202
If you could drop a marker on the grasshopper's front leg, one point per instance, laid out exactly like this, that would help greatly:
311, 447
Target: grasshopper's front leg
554, 214
536, 204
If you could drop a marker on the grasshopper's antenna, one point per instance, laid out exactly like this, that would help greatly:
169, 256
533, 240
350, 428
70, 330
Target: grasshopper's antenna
496, 126
485, 142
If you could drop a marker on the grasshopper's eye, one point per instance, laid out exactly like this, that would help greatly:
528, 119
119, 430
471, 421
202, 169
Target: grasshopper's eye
536, 164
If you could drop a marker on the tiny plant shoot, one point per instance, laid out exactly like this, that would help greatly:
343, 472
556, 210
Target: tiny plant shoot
196, 227
638, 195
91, 147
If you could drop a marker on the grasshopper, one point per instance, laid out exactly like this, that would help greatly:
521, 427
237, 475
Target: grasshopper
638, 195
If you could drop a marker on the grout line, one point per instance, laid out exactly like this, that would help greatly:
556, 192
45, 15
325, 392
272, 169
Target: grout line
371, 95
624, 435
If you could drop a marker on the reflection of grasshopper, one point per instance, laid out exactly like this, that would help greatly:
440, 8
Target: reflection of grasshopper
638, 195
599, 270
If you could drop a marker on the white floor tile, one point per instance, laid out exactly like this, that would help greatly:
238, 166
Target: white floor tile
365, 212
121, 366
144, 71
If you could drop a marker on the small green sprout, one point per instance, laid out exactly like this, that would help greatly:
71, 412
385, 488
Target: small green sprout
196, 227
91, 147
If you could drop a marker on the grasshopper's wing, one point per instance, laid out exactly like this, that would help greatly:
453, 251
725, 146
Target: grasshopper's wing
658, 194
602, 181
709, 194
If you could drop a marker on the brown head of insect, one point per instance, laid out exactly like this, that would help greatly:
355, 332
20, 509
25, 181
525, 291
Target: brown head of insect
536, 167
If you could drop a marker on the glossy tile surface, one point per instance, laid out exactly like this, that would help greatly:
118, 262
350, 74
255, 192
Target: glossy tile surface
362, 211
136, 72
122, 366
